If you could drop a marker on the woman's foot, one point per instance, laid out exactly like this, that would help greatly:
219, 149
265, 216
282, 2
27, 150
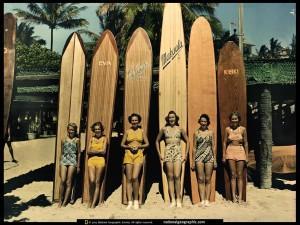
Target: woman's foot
129, 205
206, 203
202, 203
136, 204
72, 201
173, 204
178, 203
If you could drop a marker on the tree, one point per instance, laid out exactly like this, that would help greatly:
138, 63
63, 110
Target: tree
123, 18
292, 53
54, 15
275, 48
263, 52
36, 58
24, 34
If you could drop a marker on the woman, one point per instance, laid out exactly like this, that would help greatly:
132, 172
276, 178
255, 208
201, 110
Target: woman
235, 151
96, 162
134, 142
204, 159
69, 163
172, 134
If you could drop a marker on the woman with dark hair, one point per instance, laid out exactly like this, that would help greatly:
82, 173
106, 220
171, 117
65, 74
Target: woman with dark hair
134, 142
204, 158
172, 134
70, 160
96, 162
235, 151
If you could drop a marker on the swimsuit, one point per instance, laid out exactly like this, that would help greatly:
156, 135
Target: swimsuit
235, 152
204, 152
69, 152
173, 150
97, 145
134, 138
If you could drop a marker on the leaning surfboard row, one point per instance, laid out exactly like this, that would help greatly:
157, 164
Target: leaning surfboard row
188, 95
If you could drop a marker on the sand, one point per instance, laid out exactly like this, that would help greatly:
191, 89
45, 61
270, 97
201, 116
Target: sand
28, 190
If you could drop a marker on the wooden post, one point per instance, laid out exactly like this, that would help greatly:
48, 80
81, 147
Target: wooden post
265, 147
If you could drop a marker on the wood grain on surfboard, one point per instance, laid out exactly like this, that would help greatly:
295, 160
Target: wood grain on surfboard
137, 92
172, 78
72, 77
231, 97
10, 24
202, 92
103, 84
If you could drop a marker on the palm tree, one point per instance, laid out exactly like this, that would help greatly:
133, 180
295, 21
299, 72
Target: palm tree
275, 47
24, 34
54, 15
263, 52
293, 47
123, 18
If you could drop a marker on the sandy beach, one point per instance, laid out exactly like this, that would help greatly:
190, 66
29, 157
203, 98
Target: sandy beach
28, 190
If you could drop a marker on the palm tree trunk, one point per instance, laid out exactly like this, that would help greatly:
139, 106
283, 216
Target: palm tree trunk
265, 151
51, 39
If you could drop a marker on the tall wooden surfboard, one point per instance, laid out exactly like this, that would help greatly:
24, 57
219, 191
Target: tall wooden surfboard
172, 78
137, 92
231, 97
202, 92
103, 84
72, 77
10, 23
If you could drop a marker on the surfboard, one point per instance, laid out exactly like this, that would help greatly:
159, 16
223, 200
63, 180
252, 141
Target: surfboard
72, 77
10, 24
172, 78
231, 97
202, 92
137, 92
103, 84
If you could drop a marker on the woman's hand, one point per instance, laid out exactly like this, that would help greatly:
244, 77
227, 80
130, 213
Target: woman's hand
215, 164
193, 167
223, 160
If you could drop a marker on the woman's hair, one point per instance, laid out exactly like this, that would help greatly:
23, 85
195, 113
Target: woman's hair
235, 113
206, 117
97, 124
176, 118
134, 114
74, 126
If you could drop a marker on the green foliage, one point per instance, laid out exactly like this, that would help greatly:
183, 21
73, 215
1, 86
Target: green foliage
36, 58
24, 34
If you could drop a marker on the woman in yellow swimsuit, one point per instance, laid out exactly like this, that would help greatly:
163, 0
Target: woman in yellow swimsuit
134, 142
235, 151
172, 135
96, 162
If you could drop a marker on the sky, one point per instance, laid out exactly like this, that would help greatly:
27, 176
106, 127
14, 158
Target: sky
262, 21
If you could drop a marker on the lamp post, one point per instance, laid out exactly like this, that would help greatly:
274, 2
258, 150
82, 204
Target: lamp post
241, 27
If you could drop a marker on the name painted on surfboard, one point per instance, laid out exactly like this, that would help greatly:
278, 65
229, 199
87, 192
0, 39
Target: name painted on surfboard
104, 63
137, 71
231, 72
166, 58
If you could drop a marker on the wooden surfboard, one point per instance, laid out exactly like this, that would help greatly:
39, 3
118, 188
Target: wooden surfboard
202, 92
172, 78
137, 92
231, 97
72, 77
103, 84
10, 24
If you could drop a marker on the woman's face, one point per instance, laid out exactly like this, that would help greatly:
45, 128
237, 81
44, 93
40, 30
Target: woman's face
98, 131
172, 119
203, 122
234, 120
71, 131
134, 121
